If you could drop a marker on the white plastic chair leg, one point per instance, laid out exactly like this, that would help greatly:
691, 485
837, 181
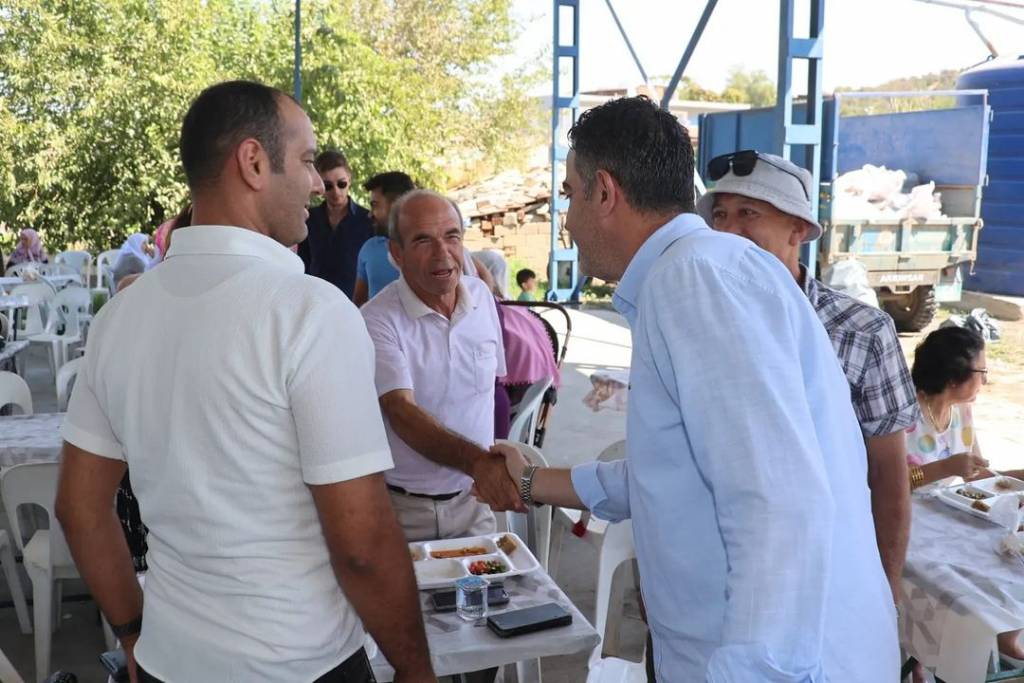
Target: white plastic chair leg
616, 549
14, 584
7, 672
42, 612
555, 546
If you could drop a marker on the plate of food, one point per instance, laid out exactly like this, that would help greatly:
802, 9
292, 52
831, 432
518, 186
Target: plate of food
495, 556
978, 497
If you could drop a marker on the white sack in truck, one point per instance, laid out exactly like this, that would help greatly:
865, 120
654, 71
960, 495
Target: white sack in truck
875, 192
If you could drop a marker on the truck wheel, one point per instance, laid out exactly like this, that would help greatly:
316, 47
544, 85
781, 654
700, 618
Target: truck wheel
915, 311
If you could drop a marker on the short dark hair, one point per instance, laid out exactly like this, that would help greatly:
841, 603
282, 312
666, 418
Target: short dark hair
524, 276
392, 184
330, 159
945, 358
222, 117
643, 147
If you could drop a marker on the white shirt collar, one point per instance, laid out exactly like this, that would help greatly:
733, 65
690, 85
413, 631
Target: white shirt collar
232, 241
415, 308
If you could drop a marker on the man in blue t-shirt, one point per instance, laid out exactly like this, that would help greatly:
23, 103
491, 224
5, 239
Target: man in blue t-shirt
374, 270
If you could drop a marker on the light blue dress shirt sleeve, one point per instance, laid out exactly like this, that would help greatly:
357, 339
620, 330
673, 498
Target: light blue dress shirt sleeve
743, 403
604, 488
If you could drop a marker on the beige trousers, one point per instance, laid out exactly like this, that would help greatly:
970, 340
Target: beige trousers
423, 519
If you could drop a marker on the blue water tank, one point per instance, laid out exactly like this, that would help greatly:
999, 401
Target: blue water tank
1000, 265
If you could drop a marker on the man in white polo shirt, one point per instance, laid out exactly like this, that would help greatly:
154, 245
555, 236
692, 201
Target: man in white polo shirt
439, 352
254, 440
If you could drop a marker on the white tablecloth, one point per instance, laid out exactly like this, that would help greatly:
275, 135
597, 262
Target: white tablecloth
458, 646
959, 592
58, 281
30, 438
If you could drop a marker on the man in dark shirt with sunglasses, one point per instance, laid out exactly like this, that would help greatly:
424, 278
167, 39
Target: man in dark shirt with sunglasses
337, 228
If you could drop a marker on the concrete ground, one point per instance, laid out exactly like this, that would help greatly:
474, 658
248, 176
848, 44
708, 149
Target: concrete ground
576, 434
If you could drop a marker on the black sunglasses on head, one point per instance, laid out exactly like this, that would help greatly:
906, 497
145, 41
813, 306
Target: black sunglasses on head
742, 164
328, 185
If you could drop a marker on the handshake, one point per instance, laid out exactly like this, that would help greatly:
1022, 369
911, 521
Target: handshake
496, 478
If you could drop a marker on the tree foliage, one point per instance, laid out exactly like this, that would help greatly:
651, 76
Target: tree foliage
942, 80
755, 88
92, 93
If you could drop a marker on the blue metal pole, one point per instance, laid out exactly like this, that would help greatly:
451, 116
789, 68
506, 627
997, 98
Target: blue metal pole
625, 37
297, 78
685, 60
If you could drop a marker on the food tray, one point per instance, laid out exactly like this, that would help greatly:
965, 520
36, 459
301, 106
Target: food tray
963, 496
440, 572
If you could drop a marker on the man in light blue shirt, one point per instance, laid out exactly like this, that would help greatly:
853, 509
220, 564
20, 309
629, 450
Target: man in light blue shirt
745, 476
374, 270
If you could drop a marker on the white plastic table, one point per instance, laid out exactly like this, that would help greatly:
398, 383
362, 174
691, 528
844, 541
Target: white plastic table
30, 438
458, 646
959, 592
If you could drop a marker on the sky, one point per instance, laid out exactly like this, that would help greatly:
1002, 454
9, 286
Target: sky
867, 42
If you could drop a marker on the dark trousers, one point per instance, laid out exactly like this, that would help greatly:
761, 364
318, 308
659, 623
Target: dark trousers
355, 669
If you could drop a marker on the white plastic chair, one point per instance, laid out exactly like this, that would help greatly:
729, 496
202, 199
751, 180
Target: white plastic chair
534, 527
15, 391
596, 533
527, 412
5, 327
7, 672
80, 261
39, 322
104, 263
18, 270
74, 308
615, 670
46, 555
616, 549
14, 585
65, 376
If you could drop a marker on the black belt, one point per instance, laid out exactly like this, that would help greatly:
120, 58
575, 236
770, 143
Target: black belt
428, 496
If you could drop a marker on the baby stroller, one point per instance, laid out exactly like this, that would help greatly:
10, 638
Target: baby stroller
558, 349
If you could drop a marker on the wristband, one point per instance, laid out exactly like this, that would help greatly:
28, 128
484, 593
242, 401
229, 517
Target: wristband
131, 628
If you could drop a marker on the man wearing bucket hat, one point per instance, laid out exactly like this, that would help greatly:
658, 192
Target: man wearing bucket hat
767, 199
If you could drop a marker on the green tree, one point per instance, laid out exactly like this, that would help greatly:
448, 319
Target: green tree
92, 93
753, 87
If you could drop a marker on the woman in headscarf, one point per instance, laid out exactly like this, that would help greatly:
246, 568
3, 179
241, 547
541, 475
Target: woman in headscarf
29, 250
137, 255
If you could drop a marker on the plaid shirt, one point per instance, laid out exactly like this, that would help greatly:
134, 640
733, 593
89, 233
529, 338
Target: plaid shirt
864, 338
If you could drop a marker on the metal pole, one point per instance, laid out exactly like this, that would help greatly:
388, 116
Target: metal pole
694, 39
297, 78
629, 45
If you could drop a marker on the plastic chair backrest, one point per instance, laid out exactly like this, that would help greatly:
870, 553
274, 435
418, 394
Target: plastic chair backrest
65, 376
15, 391
104, 262
34, 484
535, 526
524, 425
40, 297
18, 270
73, 304
78, 260
58, 269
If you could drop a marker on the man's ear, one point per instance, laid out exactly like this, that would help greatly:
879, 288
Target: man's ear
607, 192
800, 230
253, 164
396, 252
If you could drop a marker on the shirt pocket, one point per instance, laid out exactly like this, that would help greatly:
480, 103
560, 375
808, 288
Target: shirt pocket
485, 367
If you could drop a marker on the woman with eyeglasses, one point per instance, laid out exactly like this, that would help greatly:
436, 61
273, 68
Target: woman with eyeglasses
949, 371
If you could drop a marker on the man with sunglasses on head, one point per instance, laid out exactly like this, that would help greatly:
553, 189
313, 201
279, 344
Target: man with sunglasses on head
338, 228
767, 199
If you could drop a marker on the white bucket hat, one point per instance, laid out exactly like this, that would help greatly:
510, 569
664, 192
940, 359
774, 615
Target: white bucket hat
772, 179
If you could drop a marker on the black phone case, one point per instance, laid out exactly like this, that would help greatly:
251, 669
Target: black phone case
498, 625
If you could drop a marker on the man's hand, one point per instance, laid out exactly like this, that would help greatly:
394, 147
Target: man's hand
515, 461
966, 465
128, 645
493, 485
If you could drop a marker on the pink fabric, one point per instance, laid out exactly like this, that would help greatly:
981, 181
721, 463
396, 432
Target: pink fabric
160, 237
528, 353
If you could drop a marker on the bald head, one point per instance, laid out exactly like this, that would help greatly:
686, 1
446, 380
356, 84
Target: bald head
408, 208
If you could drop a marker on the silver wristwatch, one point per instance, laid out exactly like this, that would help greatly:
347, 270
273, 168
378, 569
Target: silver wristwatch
526, 485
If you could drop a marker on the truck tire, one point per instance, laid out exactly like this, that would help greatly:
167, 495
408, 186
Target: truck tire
914, 312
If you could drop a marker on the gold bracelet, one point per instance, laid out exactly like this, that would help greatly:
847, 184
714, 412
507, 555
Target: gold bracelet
916, 477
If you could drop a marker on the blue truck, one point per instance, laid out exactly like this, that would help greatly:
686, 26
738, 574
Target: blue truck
912, 264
